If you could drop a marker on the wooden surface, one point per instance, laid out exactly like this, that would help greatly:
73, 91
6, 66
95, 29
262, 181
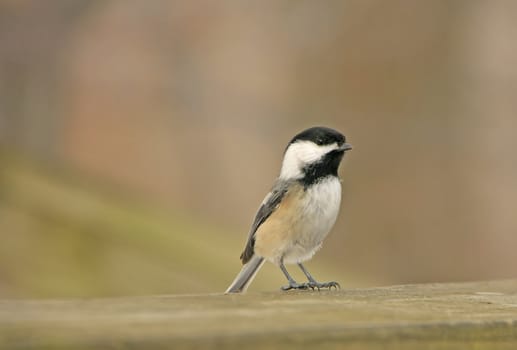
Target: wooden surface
436, 316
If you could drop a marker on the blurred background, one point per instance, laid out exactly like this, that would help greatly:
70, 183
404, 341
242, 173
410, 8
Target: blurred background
137, 139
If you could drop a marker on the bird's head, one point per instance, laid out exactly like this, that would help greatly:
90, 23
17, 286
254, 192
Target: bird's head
314, 152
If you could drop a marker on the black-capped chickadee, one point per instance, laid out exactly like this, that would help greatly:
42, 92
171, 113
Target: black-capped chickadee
300, 210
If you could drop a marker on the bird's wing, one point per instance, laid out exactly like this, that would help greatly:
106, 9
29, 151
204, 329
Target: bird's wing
269, 205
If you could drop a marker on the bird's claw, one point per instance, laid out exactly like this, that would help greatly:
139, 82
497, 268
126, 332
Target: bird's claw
312, 285
300, 286
328, 285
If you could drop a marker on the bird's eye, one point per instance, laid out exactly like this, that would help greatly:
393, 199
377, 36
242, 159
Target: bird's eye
319, 142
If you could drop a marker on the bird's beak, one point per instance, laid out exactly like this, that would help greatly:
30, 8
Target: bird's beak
345, 147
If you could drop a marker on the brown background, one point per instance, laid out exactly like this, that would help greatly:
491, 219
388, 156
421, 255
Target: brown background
187, 107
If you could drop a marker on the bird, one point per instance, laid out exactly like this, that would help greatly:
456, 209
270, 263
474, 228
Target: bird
299, 211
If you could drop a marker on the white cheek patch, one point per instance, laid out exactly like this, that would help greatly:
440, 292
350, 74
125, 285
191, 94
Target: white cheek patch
300, 154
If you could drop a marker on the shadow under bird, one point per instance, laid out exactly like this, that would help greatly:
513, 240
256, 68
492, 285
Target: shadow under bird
300, 210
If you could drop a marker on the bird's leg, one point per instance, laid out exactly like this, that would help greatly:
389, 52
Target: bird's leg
315, 284
292, 283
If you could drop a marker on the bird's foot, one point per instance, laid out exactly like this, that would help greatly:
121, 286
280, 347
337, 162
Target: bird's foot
312, 285
316, 285
295, 285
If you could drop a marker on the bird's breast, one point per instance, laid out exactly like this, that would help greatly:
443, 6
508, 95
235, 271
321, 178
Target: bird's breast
297, 228
319, 207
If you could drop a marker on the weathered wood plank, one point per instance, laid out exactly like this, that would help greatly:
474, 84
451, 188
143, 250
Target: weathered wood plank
441, 316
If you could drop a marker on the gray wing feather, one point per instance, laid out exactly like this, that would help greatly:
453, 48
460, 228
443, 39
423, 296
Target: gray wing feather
269, 205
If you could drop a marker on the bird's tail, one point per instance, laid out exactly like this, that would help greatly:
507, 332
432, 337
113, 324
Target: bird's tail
244, 278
